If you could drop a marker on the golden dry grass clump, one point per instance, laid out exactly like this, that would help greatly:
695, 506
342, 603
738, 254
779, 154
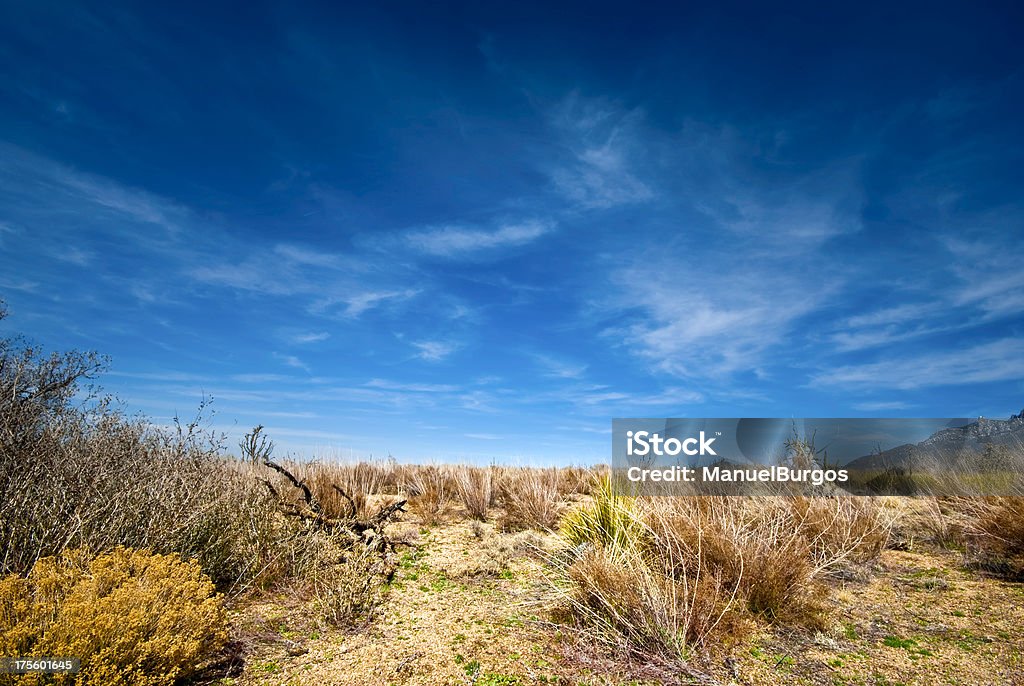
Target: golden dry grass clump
661, 575
475, 486
531, 499
430, 490
131, 616
995, 533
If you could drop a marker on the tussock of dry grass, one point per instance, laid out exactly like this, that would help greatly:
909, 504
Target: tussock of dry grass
475, 486
531, 499
575, 481
430, 492
668, 574
995, 533
842, 531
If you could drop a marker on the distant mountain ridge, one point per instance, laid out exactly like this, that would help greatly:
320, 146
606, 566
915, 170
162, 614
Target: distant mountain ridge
947, 443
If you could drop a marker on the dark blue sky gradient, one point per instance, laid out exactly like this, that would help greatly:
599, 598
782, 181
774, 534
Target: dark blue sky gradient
483, 230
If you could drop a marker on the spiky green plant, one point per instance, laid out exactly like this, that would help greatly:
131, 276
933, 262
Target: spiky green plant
612, 520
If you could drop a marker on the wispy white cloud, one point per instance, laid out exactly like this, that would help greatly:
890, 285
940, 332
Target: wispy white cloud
713, 323
458, 241
27, 175
434, 351
310, 337
875, 337
605, 397
672, 396
412, 387
139, 205
973, 282
292, 361
897, 314
477, 401
769, 206
8, 230
602, 142
358, 303
353, 304
249, 277
260, 378
310, 434
988, 270
559, 368
998, 360
266, 270
15, 283
76, 256
882, 406
306, 257
168, 376
585, 428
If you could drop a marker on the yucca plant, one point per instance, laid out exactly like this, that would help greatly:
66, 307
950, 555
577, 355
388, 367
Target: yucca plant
612, 520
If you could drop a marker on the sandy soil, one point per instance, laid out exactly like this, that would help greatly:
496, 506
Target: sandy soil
470, 605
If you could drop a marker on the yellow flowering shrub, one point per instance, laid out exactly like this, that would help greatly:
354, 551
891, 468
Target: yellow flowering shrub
132, 617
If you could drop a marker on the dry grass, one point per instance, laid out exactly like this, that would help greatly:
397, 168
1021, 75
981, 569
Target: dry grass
842, 531
475, 486
430, 490
995, 533
531, 499
575, 481
661, 576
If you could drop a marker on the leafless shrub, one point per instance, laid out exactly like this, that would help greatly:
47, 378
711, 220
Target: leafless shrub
343, 579
83, 475
841, 531
86, 476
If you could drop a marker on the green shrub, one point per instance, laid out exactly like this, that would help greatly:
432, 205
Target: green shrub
610, 520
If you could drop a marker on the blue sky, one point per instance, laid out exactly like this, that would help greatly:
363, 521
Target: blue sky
479, 233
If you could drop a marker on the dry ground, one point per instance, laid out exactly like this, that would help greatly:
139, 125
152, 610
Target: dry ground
470, 605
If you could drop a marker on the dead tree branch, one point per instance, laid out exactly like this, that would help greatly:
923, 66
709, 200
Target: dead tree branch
257, 449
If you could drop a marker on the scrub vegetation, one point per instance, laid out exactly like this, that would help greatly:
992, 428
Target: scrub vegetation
160, 555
